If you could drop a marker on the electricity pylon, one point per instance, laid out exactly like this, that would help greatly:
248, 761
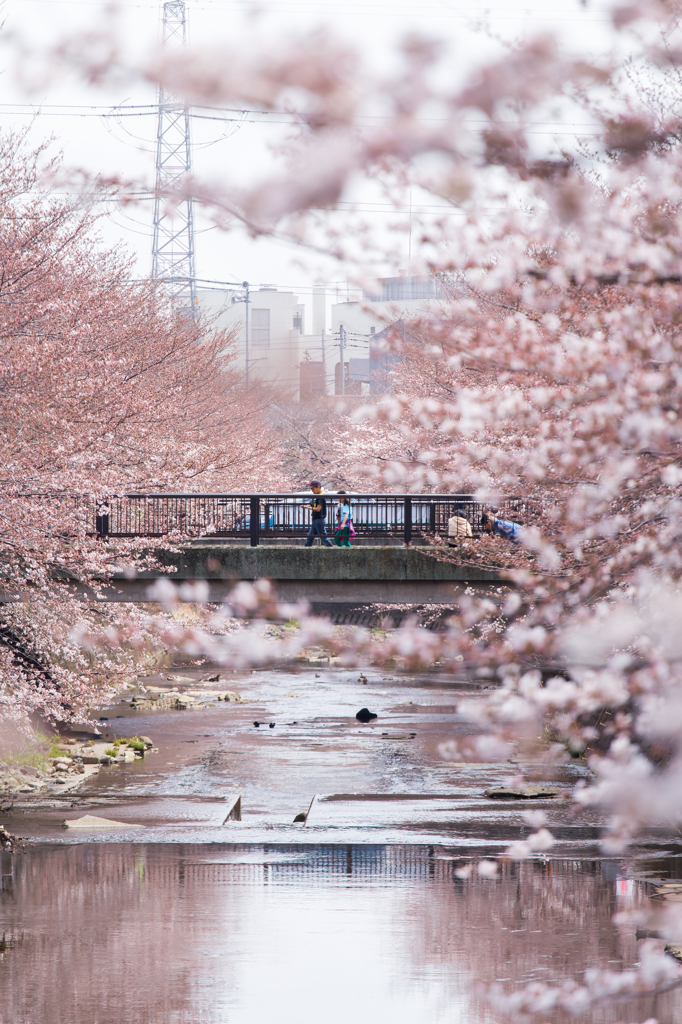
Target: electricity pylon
173, 245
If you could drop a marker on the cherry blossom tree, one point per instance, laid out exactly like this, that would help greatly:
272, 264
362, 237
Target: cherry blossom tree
104, 389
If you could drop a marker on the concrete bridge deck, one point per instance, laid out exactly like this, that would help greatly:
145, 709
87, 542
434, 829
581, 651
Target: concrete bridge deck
328, 576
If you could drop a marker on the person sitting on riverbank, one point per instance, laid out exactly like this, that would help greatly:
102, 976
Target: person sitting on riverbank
502, 527
344, 531
319, 510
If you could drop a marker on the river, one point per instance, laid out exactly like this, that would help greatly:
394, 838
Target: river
357, 915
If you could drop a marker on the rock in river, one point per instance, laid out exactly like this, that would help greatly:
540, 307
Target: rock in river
521, 792
91, 821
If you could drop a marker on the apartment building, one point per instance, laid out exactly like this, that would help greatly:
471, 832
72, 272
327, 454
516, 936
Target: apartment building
398, 299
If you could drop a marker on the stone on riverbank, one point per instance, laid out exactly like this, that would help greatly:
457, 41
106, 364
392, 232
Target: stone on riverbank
15, 780
669, 891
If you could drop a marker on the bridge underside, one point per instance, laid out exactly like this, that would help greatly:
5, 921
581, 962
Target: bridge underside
322, 576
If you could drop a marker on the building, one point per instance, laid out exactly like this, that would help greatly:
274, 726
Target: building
277, 350
398, 299
272, 350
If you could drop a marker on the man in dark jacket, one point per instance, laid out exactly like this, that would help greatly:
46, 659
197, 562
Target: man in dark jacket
319, 510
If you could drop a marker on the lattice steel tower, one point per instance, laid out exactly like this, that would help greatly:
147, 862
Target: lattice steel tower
173, 245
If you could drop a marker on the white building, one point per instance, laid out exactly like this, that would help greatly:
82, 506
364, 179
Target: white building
271, 349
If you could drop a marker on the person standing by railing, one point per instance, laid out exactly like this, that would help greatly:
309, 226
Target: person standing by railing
344, 531
319, 510
459, 529
102, 512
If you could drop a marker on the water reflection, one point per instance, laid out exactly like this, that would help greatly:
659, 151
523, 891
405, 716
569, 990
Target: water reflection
154, 934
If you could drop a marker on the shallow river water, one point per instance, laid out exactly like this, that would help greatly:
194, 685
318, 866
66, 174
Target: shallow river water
159, 934
356, 916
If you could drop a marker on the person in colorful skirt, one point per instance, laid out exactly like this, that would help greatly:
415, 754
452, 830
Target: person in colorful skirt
344, 531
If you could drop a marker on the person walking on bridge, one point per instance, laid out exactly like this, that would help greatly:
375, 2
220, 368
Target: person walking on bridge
344, 531
319, 510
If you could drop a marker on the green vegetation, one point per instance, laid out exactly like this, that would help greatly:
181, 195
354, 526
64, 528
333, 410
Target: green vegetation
134, 742
55, 750
33, 758
38, 751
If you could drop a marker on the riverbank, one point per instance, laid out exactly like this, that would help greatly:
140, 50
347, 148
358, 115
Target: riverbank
68, 763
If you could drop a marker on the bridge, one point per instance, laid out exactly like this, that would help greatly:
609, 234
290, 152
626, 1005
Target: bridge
223, 538
256, 519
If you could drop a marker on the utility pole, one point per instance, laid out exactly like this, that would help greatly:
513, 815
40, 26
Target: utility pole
173, 245
324, 366
246, 300
342, 368
245, 286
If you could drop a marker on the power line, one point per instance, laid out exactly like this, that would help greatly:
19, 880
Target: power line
388, 9
140, 110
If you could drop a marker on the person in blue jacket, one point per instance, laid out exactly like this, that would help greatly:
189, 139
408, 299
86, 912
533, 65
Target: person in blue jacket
503, 527
344, 514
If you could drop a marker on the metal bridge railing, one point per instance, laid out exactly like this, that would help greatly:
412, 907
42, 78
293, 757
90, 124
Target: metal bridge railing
271, 516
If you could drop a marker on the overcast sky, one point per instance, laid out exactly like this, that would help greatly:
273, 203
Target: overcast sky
76, 115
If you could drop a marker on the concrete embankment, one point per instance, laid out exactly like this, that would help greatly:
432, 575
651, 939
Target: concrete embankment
363, 575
